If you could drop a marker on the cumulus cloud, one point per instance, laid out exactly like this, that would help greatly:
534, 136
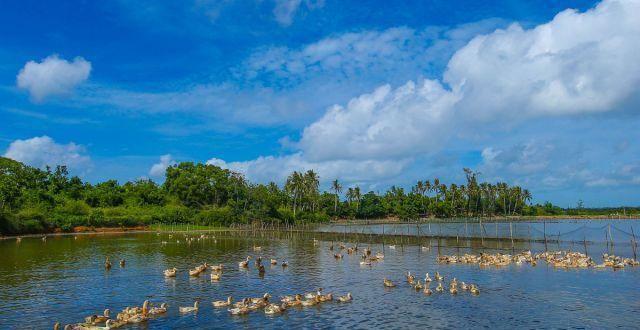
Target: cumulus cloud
44, 151
577, 64
270, 168
285, 10
159, 169
53, 76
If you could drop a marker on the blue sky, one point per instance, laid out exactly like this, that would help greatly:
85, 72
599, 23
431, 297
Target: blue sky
370, 92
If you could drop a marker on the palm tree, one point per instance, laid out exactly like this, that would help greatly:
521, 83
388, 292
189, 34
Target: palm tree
356, 195
337, 189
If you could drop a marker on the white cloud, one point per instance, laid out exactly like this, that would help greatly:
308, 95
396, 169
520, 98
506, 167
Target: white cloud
265, 169
53, 76
285, 10
159, 169
42, 151
576, 64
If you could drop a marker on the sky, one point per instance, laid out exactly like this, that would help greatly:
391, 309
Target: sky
373, 93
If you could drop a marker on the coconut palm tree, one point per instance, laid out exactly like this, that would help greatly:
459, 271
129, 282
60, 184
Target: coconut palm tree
337, 189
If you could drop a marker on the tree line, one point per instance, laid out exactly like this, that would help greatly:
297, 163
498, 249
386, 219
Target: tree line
35, 200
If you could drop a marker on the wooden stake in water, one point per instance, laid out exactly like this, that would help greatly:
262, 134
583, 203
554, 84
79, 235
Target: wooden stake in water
633, 244
544, 228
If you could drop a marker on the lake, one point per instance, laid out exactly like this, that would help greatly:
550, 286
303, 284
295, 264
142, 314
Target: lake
63, 279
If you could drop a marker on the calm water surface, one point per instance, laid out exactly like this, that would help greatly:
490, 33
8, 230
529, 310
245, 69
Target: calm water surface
63, 280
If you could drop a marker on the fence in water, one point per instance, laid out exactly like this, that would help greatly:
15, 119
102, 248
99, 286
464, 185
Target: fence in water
599, 236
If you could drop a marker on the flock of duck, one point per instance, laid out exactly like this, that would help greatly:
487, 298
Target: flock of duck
425, 286
559, 259
129, 315
146, 312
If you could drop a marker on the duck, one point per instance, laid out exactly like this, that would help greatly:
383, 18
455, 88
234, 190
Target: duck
439, 277
345, 298
425, 248
392, 247
44, 238
18, 240
337, 256
195, 272
94, 319
379, 255
238, 310
217, 268
325, 298
242, 303
257, 248
310, 302
264, 297
439, 288
107, 264
258, 261
122, 263
427, 278
418, 286
285, 264
474, 290
110, 324
274, 262
427, 290
158, 310
464, 286
223, 303
454, 282
311, 295
215, 276
261, 270
387, 283
244, 263
171, 272
453, 290
137, 318
275, 308
190, 309
292, 301
410, 278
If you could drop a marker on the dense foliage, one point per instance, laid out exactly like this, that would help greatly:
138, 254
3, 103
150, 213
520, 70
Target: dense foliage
34, 200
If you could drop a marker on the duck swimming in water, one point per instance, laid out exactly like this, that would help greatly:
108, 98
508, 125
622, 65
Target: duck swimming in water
346, 298
427, 290
217, 268
223, 303
418, 286
95, 319
122, 263
107, 264
158, 310
474, 290
244, 263
439, 288
215, 276
427, 278
410, 278
170, 272
311, 295
190, 309
274, 261
275, 308
439, 277
285, 264
387, 283
261, 270
238, 310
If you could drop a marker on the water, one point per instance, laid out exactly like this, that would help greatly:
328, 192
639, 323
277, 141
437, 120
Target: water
64, 280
